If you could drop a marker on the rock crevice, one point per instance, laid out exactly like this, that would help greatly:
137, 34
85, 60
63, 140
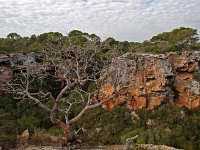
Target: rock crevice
147, 80
141, 80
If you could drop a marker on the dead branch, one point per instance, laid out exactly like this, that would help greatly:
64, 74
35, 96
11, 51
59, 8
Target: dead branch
73, 71
129, 142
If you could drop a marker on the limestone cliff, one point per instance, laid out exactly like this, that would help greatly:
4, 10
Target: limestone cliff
141, 80
147, 80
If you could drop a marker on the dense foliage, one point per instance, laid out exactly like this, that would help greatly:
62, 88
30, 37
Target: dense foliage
181, 39
16, 116
169, 125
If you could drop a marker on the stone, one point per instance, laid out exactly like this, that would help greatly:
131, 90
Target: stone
23, 138
141, 80
147, 80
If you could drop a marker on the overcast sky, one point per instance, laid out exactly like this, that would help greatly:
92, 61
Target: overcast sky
132, 20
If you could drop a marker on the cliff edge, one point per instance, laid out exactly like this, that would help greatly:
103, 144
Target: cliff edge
141, 80
147, 80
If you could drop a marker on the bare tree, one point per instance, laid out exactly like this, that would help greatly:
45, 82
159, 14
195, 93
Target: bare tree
74, 69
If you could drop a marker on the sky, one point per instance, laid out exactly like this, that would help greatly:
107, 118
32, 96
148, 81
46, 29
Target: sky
131, 20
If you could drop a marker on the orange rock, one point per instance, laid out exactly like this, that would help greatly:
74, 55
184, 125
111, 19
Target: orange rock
184, 75
23, 138
150, 80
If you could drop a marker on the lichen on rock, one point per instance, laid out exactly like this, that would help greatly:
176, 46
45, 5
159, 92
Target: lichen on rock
147, 80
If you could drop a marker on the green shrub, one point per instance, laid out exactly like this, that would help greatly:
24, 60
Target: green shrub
55, 131
196, 76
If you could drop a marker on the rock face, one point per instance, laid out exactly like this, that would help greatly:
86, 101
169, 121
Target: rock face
147, 81
16, 63
140, 80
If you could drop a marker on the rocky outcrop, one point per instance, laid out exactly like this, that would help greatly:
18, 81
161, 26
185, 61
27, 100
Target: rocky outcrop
147, 80
16, 63
140, 80
11, 64
154, 147
187, 89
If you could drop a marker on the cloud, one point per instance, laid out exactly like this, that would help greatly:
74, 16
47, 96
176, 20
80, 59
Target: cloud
133, 20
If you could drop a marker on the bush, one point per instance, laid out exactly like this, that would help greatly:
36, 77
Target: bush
196, 76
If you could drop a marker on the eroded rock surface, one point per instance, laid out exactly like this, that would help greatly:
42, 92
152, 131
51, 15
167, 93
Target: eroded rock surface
147, 81
154, 147
140, 80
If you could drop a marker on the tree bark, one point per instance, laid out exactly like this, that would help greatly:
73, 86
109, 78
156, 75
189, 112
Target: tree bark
65, 127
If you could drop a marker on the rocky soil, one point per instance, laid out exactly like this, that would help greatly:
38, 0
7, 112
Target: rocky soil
113, 147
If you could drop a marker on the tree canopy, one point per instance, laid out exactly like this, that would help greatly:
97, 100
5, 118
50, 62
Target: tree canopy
180, 39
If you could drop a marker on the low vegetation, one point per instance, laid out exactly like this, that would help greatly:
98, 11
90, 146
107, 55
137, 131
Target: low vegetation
196, 76
168, 125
